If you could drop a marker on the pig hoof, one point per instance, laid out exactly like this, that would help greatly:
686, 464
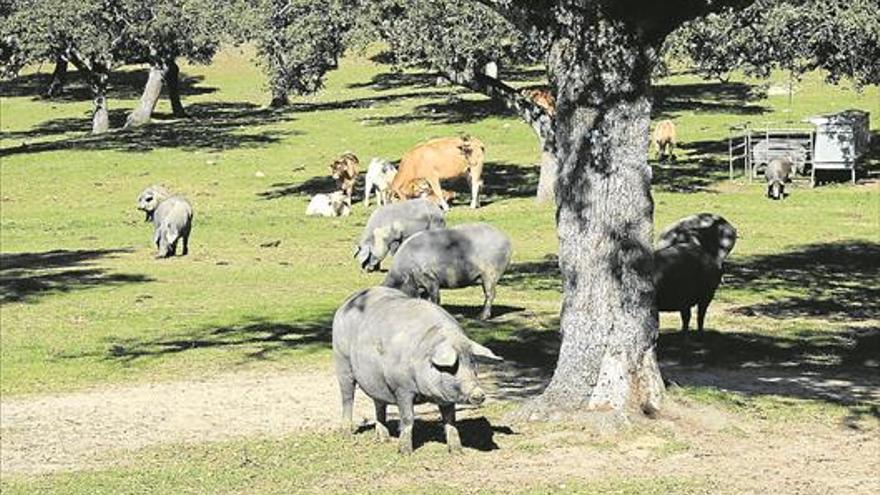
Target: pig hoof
406, 447
485, 315
453, 441
382, 432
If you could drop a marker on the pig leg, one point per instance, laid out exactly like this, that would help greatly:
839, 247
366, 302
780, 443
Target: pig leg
701, 314
346, 388
489, 297
381, 418
185, 250
685, 318
368, 190
163, 246
405, 410
453, 441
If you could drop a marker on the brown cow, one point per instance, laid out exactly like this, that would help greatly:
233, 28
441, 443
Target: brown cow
345, 171
664, 139
543, 98
438, 159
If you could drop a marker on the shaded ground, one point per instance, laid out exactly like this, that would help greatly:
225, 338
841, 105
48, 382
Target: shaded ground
500, 181
25, 277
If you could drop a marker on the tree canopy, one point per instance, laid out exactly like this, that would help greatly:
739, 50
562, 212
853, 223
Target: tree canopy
841, 38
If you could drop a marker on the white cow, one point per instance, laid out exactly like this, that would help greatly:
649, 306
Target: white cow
380, 173
329, 205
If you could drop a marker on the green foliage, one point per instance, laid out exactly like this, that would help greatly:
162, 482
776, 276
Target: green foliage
298, 41
41, 29
451, 35
842, 38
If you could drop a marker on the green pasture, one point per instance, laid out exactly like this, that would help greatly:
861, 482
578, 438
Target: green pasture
83, 302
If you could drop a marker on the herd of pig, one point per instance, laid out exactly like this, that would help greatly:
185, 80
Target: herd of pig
394, 341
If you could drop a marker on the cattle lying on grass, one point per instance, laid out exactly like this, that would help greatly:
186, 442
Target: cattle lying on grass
172, 219
439, 159
345, 170
777, 174
664, 140
392, 224
329, 205
379, 175
688, 263
462, 256
402, 351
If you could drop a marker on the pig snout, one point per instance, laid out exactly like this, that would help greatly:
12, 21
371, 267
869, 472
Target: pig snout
476, 397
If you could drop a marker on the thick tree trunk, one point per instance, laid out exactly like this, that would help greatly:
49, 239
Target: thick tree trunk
547, 178
96, 73
172, 82
279, 98
59, 78
100, 115
607, 360
141, 115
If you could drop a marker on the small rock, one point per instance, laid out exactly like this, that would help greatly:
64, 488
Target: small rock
211, 162
259, 174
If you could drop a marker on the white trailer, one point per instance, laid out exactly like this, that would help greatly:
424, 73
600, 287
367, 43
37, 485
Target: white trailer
841, 141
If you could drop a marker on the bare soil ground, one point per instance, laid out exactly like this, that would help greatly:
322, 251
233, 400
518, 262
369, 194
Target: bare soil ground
735, 453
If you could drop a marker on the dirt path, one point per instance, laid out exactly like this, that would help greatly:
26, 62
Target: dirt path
67, 431
735, 455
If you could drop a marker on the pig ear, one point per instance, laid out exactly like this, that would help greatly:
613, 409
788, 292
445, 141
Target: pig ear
480, 351
444, 355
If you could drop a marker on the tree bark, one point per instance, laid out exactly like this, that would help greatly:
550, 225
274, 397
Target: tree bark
279, 98
607, 360
59, 78
172, 82
547, 178
96, 73
539, 120
142, 113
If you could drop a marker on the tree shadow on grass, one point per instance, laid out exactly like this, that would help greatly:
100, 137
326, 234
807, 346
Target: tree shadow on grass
26, 277
212, 126
258, 339
706, 97
453, 110
835, 281
500, 181
688, 176
121, 85
837, 367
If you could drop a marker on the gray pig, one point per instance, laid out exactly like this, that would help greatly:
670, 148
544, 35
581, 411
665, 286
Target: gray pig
777, 174
404, 351
688, 264
392, 224
450, 258
172, 219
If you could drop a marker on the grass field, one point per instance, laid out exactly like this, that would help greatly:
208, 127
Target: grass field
84, 305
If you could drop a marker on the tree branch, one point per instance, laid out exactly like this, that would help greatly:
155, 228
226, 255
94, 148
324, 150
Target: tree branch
533, 114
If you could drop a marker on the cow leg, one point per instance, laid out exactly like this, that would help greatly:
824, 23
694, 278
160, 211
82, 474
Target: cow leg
434, 184
685, 319
476, 182
368, 190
